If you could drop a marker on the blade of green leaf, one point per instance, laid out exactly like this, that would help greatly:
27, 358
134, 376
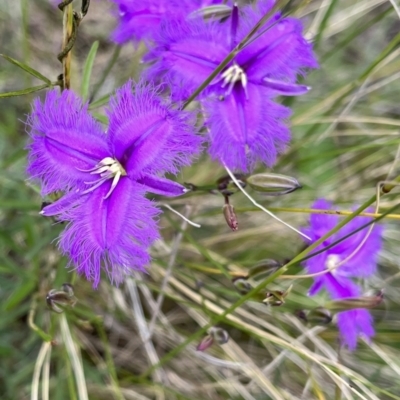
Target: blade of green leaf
27, 68
87, 70
19, 294
25, 91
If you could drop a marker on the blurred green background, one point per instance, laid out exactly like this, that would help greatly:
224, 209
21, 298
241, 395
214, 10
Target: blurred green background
345, 140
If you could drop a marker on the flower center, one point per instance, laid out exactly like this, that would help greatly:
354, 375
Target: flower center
331, 263
232, 75
107, 168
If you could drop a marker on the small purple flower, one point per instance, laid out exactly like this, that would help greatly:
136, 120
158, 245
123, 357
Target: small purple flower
141, 19
245, 125
104, 176
360, 258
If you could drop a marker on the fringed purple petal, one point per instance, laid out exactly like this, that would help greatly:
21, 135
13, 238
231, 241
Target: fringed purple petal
279, 52
138, 19
141, 19
111, 234
354, 323
246, 127
162, 186
65, 140
147, 135
186, 53
63, 205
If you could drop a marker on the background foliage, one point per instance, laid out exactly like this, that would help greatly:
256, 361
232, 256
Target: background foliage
345, 140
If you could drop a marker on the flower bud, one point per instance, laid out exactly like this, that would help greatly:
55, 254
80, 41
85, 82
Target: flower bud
273, 184
215, 335
319, 316
230, 216
355, 302
264, 268
205, 343
242, 285
220, 335
215, 11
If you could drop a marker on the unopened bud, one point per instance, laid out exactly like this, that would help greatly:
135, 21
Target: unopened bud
355, 302
227, 187
215, 335
230, 216
216, 11
273, 184
319, 316
264, 268
242, 285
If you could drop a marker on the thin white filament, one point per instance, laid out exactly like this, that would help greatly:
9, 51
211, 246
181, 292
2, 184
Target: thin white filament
182, 216
260, 206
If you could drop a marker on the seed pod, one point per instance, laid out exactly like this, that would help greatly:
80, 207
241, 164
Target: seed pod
64, 297
276, 298
273, 184
264, 268
216, 11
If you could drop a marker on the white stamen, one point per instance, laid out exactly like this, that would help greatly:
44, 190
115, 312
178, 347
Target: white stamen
107, 168
232, 75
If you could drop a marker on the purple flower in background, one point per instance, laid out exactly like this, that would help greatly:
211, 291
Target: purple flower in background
141, 19
104, 176
244, 124
359, 257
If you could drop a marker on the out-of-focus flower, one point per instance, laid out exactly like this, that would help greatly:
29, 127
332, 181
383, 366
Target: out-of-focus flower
141, 19
245, 125
359, 257
104, 176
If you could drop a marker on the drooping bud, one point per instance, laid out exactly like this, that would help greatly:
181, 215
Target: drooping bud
227, 187
319, 316
276, 298
65, 297
273, 184
356, 302
242, 285
264, 268
230, 215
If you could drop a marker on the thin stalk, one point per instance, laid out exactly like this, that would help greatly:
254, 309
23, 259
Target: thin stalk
68, 22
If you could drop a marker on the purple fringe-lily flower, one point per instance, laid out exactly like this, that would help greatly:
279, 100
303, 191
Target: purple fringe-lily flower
142, 19
245, 125
338, 282
104, 176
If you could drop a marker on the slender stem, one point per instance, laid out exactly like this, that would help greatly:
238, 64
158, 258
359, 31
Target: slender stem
68, 22
316, 211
